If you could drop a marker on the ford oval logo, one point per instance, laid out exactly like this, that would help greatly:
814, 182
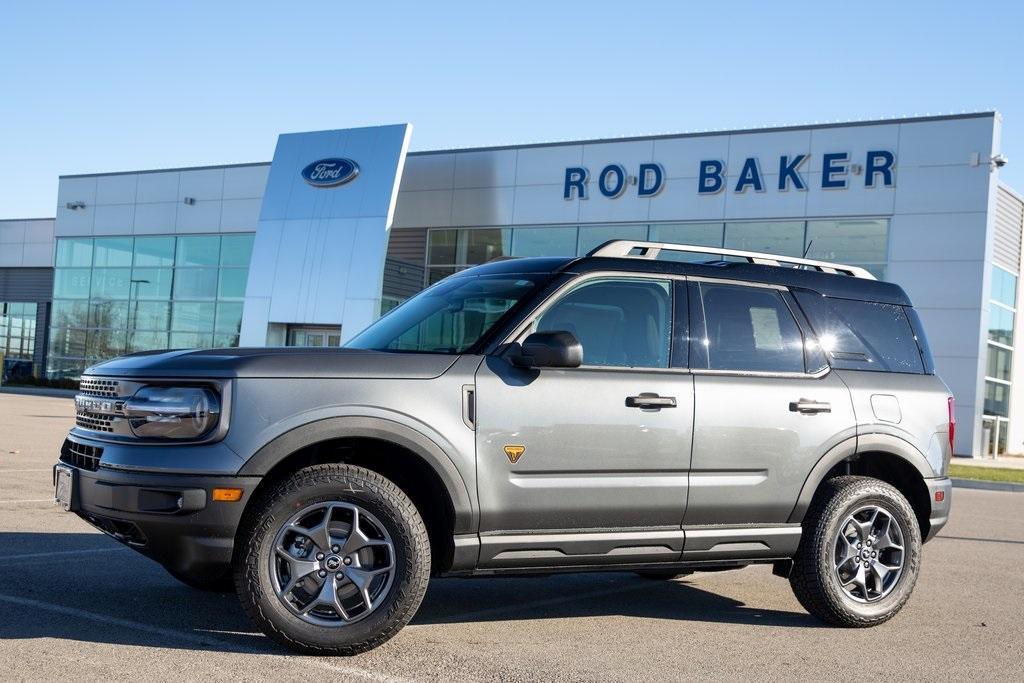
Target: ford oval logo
330, 172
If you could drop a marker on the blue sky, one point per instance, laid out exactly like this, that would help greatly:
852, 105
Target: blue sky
104, 86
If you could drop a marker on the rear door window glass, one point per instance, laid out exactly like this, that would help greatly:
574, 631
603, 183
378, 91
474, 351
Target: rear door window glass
750, 329
863, 335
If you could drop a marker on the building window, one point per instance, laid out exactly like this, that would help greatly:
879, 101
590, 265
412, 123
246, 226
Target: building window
116, 295
1002, 313
17, 338
858, 242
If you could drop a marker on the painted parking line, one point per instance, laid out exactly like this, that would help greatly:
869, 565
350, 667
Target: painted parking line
31, 556
189, 637
33, 500
34, 469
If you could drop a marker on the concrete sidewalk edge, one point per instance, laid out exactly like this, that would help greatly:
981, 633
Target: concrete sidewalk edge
39, 391
988, 485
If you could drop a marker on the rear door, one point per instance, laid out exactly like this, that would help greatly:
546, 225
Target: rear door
766, 407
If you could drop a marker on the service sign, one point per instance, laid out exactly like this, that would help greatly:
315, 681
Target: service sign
330, 172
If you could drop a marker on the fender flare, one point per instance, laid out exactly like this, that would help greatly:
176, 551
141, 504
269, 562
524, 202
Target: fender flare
863, 443
272, 453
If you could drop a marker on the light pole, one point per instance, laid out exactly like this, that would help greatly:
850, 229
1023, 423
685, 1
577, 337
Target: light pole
128, 318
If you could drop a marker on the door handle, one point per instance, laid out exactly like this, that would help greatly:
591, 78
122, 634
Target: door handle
807, 406
650, 401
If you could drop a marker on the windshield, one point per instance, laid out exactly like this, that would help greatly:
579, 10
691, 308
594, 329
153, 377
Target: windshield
449, 317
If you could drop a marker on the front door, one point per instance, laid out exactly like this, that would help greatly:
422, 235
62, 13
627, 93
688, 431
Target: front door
576, 465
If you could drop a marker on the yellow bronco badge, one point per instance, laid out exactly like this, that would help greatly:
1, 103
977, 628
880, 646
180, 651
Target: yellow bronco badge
514, 453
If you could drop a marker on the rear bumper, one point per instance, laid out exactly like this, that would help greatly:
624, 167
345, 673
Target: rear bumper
168, 517
938, 488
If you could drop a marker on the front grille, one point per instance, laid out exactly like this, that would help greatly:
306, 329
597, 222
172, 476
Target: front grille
82, 456
95, 421
99, 387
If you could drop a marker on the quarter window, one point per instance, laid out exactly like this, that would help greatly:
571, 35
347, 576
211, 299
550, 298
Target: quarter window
863, 335
750, 329
619, 322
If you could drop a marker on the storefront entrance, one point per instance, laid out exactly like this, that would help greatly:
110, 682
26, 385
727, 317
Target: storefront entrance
326, 335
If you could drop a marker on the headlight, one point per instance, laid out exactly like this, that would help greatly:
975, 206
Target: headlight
172, 412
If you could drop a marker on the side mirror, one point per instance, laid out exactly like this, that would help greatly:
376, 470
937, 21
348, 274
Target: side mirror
548, 350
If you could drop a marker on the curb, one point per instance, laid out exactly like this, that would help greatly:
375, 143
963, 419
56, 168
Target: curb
39, 391
988, 485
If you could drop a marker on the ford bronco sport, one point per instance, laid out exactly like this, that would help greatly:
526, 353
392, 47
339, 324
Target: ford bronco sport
633, 409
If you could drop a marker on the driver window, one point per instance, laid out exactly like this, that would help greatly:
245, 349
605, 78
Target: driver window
619, 322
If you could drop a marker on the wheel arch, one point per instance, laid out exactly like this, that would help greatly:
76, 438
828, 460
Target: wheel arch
882, 456
409, 458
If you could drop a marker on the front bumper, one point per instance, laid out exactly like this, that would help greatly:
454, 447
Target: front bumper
938, 488
171, 518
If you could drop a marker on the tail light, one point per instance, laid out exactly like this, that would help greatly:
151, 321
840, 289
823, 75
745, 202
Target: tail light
952, 422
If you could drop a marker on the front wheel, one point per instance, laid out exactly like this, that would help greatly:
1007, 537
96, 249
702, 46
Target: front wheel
859, 555
336, 560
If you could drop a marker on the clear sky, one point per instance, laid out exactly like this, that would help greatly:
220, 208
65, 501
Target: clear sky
106, 86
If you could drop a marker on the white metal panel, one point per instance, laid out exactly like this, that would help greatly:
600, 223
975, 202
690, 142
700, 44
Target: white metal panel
239, 215
483, 206
155, 219
82, 189
74, 222
12, 232
681, 157
114, 219
949, 142
546, 165
245, 182
428, 172
158, 187
424, 209
116, 189
541, 204
201, 184
203, 216
488, 168
37, 255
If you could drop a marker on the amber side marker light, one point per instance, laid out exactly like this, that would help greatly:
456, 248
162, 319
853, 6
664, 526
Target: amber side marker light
227, 495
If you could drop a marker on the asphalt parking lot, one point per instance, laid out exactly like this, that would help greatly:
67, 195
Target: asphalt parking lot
75, 604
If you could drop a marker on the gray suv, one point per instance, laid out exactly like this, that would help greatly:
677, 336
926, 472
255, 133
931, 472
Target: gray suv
642, 408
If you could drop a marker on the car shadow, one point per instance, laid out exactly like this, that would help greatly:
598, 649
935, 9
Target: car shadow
87, 587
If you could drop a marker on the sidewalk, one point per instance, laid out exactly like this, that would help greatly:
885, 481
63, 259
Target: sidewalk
1011, 462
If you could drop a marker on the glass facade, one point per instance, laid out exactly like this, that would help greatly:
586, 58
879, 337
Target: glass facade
859, 241
1002, 312
17, 330
116, 295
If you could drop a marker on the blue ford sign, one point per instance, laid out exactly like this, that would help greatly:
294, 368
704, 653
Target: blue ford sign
330, 172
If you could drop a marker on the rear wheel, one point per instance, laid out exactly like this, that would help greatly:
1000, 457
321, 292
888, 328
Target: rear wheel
336, 560
859, 555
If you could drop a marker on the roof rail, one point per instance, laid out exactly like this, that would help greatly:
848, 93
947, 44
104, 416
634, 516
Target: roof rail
650, 251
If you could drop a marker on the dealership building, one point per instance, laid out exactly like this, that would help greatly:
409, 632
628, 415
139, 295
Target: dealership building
343, 225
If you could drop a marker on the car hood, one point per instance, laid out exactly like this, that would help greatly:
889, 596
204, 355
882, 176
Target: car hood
333, 363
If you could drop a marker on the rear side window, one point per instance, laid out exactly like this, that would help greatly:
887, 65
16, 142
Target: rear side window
750, 328
863, 335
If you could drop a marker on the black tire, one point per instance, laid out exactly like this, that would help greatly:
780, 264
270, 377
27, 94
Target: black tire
661, 574
217, 583
374, 494
814, 577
